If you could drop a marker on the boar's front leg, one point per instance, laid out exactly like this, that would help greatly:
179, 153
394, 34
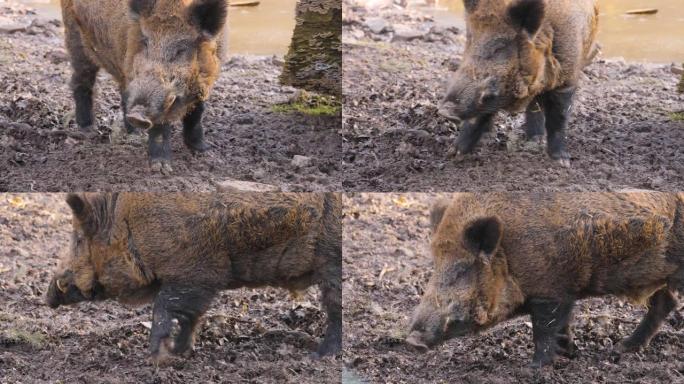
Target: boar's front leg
193, 132
550, 319
659, 306
159, 148
471, 133
183, 303
557, 104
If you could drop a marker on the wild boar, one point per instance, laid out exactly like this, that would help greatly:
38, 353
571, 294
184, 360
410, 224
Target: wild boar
521, 54
164, 55
497, 256
179, 250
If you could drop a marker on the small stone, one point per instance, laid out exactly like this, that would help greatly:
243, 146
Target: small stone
8, 25
377, 25
301, 161
244, 119
231, 185
406, 33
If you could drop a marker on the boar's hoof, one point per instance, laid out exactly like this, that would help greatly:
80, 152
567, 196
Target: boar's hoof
565, 163
163, 356
197, 147
628, 346
542, 360
161, 166
89, 132
561, 157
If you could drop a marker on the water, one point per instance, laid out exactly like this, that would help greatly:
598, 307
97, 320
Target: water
262, 30
652, 38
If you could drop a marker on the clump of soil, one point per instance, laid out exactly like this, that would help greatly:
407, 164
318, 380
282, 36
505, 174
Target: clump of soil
41, 149
386, 267
624, 132
247, 336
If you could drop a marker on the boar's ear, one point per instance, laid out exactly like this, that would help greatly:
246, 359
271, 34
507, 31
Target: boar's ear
82, 211
470, 5
527, 15
482, 236
141, 8
208, 16
437, 213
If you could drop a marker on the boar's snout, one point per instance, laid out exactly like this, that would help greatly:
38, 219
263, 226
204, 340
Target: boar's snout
151, 103
468, 98
415, 340
63, 291
136, 117
53, 297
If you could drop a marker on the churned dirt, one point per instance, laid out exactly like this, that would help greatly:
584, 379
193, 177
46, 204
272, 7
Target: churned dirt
386, 267
248, 336
41, 149
627, 129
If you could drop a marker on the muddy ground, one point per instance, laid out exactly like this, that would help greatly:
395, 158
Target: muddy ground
41, 148
627, 128
248, 336
386, 267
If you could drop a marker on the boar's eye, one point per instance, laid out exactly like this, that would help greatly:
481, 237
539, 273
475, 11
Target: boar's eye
144, 41
181, 51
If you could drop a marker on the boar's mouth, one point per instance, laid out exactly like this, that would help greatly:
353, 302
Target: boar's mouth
425, 340
60, 293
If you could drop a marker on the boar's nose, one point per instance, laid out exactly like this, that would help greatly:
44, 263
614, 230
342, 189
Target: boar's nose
136, 117
53, 297
414, 339
448, 109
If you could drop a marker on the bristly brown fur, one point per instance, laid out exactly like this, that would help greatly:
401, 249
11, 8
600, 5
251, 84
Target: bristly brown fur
137, 247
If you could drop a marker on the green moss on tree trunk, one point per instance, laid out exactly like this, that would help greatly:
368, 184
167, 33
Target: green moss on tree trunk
314, 61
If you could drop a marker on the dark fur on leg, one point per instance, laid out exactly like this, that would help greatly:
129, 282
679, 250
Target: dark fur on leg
183, 303
472, 132
557, 104
159, 148
193, 132
549, 319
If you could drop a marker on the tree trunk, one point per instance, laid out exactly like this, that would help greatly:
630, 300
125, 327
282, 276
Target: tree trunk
314, 61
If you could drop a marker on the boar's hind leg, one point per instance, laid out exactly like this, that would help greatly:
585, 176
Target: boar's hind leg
193, 132
159, 148
659, 306
82, 79
550, 321
534, 120
557, 105
471, 133
184, 304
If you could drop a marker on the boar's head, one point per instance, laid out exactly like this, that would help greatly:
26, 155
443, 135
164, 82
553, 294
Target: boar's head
103, 261
172, 60
503, 67
470, 288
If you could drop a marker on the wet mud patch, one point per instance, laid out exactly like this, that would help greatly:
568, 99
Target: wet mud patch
247, 336
386, 267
